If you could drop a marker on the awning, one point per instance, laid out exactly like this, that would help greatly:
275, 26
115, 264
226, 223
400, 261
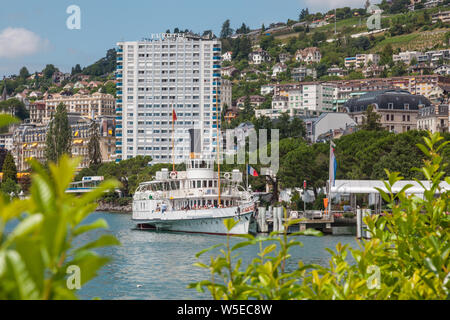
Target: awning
368, 186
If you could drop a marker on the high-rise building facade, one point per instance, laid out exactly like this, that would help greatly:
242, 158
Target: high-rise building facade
155, 76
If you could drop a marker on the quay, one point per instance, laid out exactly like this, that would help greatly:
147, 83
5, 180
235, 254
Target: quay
273, 219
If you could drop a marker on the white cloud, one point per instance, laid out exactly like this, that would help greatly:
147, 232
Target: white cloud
326, 5
19, 42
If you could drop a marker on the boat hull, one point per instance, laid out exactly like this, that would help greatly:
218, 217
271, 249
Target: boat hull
209, 222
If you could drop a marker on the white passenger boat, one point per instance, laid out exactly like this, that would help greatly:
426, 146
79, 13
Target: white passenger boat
196, 200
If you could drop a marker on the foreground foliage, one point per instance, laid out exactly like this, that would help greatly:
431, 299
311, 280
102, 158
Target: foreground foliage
407, 256
39, 253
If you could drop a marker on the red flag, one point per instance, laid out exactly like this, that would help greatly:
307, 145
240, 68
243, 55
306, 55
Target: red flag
174, 115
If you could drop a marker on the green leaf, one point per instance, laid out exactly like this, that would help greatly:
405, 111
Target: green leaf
28, 225
198, 254
24, 285
230, 223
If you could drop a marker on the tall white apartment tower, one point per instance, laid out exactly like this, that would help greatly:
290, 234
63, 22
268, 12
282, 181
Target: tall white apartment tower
155, 76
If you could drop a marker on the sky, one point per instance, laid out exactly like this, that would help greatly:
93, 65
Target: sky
35, 33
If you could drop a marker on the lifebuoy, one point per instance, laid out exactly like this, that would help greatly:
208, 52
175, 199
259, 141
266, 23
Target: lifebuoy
173, 174
226, 175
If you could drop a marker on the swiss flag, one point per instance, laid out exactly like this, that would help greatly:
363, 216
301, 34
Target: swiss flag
174, 115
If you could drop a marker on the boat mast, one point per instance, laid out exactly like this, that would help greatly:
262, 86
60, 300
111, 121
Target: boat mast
173, 140
218, 139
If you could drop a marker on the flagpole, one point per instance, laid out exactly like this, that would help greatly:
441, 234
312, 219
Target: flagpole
173, 142
246, 168
330, 173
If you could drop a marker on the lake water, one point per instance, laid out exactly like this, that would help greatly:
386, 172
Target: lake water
161, 262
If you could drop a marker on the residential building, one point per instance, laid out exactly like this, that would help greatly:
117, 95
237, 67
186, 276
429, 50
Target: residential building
227, 56
38, 111
231, 113
318, 96
326, 122
336, 72
350, 62
278, 68
280, 103
178, 72
259, 56
407, 56
226, 89
229, 71
284, 57
308, 55
300, 73
267, 89
255, 101
372, 71
283, 89
29, 141
295, 97
443, 16
361, 60
430, 86
398, 108
6, 141
96, 104
443, 70
438, 57
434, 118
420, 68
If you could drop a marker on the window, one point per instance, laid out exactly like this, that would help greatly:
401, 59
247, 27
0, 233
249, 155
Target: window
390, 105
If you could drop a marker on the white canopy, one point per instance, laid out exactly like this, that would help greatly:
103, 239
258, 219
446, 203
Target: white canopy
368, 186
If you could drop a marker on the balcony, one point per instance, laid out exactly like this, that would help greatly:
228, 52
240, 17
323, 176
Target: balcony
217, 49
119, 84
119, 59
119, 101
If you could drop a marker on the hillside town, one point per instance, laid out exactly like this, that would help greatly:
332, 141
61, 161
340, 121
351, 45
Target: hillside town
286, 69
302, 158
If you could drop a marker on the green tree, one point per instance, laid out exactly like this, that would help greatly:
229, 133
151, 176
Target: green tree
226, 31
24, 74
95, 155
371, 119
9, 168
49, 70
15, 107
59, 135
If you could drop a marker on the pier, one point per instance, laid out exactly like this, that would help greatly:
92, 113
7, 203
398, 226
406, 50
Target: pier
273, 219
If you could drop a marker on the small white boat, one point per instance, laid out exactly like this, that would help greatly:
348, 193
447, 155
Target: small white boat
190, 201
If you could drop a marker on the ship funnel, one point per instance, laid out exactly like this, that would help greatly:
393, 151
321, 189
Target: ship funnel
196, 143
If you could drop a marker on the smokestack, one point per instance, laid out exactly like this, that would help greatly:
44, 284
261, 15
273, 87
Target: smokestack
196, 143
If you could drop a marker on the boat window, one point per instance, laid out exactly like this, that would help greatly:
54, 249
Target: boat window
199, 183
215, 183
210, 183
205, 183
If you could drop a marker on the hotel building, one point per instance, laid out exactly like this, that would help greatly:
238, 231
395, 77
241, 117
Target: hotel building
171, 71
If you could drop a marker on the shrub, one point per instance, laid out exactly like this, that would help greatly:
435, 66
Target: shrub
406, 258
